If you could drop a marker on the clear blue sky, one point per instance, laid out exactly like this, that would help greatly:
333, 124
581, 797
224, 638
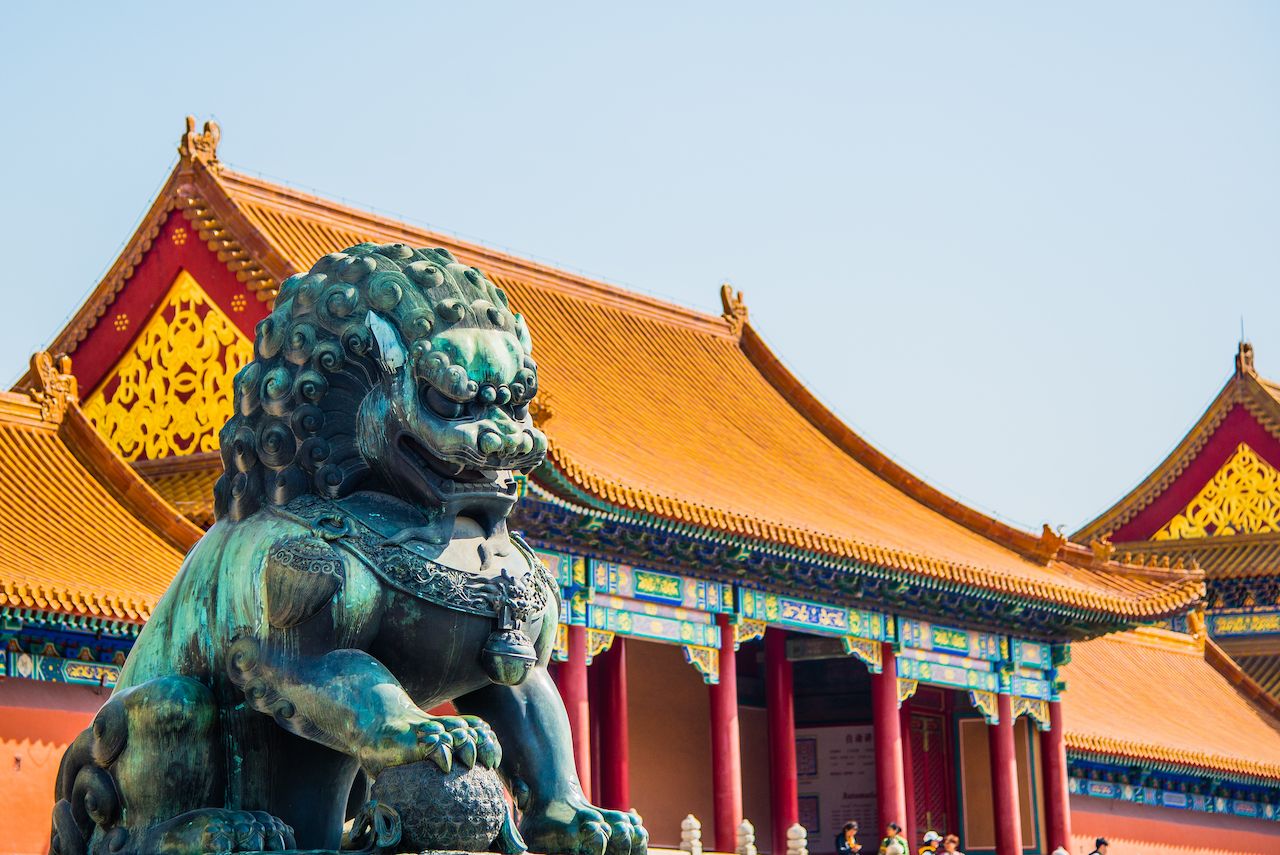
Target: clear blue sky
1010, 243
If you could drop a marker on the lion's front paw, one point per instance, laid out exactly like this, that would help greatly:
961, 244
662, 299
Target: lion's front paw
465, 738
564, 828
217, 831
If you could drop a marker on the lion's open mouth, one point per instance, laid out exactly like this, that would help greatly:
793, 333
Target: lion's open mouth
452, 480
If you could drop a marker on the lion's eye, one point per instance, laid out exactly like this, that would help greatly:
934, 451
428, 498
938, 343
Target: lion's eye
442, 406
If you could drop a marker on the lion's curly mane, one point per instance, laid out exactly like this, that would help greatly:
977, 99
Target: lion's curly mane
293, 430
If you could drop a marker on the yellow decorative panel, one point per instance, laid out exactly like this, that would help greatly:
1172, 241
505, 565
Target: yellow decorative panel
172, 390
1242, 498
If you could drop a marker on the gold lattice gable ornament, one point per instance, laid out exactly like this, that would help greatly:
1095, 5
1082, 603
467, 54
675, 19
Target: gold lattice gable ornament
1243, 497
172, 389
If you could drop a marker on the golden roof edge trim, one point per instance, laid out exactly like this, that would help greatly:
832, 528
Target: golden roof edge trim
1108, 745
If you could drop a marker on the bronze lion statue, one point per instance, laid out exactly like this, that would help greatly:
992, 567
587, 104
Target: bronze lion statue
360, 572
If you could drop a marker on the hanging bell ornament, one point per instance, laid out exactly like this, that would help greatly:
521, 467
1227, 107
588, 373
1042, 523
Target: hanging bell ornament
508, 655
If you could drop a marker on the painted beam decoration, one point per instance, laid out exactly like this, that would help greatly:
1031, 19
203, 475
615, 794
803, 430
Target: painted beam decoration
55, 669
612, 599
1225, 623
981, 663
1179, 792
609, 598
861, 631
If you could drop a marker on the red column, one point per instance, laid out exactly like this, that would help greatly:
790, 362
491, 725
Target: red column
615, 744
908, 823
726, 758
783, 789
1053, 750
891, 790
1004, 781
573, 689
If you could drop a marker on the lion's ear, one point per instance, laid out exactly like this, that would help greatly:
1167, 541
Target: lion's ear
391, 352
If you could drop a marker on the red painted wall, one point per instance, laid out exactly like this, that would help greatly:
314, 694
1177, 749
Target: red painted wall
37, 722
1144, 830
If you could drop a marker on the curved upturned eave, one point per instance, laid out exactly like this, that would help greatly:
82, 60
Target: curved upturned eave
563, 479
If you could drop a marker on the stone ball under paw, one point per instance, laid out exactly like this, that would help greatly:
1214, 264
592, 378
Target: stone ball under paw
461, 810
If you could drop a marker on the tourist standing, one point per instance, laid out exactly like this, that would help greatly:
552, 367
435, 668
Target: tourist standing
931, 841
951, 845
1099, 846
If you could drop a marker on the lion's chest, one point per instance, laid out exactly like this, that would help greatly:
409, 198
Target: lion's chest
437, 653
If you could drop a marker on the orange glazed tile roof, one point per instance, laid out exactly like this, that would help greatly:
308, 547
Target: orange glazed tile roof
730, 440
1170, 699
661, 411
186, 483
84, 535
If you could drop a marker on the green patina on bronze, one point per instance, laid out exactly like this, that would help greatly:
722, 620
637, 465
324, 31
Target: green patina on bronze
360, 572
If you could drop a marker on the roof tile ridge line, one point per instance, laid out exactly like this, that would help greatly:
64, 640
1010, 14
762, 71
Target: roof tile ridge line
1153, 485
1222, 662
1111, 604
128, 487
517, 265
853, 444
223, 204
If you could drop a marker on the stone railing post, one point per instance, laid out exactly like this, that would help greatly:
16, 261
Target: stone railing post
691, 835
797, 840
746, 839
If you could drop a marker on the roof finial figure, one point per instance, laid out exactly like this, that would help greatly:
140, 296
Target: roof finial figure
735, 308
1244, 360
202, 146
55, 386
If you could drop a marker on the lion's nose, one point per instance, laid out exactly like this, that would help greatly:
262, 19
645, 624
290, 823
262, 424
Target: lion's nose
490, 443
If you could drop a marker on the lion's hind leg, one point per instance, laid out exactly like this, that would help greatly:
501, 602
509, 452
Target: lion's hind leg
153, 747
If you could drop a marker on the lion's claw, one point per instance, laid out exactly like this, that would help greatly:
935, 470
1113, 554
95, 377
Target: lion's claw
466, 739
580, 829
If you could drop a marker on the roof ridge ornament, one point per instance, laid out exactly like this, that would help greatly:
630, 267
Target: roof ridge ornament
201, 147
1244, 360
55, 387
1046, 547
734, 308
